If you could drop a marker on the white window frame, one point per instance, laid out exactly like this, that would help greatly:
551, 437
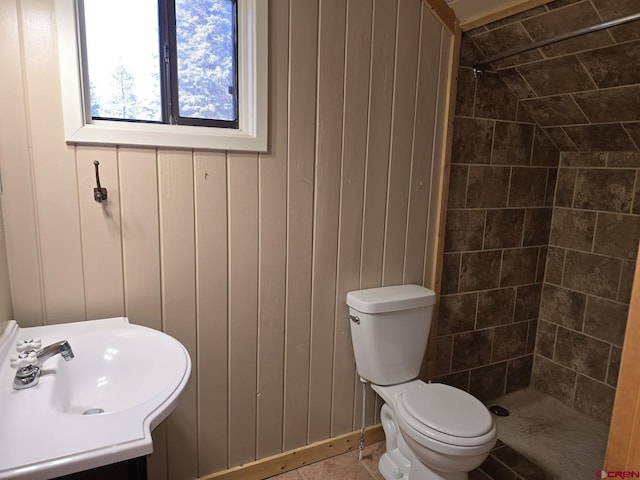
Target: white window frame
251, 135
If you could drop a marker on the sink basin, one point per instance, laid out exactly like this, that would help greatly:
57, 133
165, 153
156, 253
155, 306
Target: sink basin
96, 409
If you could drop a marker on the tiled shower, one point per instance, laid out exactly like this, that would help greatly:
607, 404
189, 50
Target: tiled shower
543, 216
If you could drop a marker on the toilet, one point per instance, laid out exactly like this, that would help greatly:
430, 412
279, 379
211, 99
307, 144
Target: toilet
433, 431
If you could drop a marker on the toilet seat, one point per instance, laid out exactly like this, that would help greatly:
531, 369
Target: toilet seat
445, 414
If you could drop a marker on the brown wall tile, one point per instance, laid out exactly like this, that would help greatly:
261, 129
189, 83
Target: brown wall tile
565, 20
593, 274
537, 225
563, 307
504, 228
519, 373
469, 53
572, 228
560, 139
601, 137
545, 153
444, 346
623, 159
509, 341
546, 338
495, 307
553, 379
633, 130
464, 230
457, 313
480, 270
558, 110
610, 9
556, 76
488, 382
519, 266
581, 353
457, 186
450, 273
617, 235
531, 336
565, 187
488, 187
516, 83
613, 66
527, 302
614, 366
471, 350
583, 159
459, 380
528, 187
509, 36
555, 265
604, 189
512, 144
626, 282
472, 140
613, 105
542, 264
594, 399
466, 92
494, 99
606, 320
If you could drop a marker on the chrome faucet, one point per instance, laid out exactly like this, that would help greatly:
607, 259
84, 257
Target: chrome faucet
29, 364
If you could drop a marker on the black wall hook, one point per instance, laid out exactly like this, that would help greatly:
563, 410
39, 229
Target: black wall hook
99, 193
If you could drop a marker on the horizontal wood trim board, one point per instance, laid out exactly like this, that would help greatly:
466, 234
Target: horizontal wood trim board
444, 13
299, 457
515, 8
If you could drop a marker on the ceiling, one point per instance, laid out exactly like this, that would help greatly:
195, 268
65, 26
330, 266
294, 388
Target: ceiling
473, 13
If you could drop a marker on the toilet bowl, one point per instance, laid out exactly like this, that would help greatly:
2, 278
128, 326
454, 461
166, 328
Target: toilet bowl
444, 428
433, 431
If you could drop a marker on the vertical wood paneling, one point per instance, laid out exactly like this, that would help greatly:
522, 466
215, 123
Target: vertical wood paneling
211, 250
356, 102
401, 139
101, 235
18, 206
326, 213
243, 305
423, 146
303, 33
175, 185
273, 239
54, 168
140, 236
379, 123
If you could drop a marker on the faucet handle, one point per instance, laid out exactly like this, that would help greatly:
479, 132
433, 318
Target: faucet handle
29, 345
23, 360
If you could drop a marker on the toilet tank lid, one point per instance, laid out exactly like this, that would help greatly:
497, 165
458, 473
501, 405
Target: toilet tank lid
390, 299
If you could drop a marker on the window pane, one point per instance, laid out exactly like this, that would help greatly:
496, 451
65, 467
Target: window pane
123, 60
205, 32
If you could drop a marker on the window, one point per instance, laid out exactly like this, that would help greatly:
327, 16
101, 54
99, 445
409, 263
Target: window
176, 73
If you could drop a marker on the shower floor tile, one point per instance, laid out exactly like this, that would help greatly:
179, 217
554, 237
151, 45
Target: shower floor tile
545, 433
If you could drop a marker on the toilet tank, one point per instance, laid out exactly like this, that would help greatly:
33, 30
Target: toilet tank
389, 331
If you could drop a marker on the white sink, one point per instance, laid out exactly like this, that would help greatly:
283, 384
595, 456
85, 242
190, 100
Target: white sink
99, 408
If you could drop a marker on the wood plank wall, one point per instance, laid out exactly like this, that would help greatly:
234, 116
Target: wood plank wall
245, 258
